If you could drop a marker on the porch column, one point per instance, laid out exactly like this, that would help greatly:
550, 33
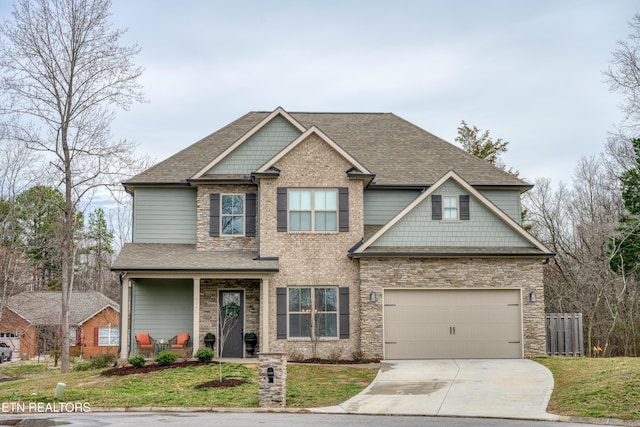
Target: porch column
264, 315
196, 315
124, 320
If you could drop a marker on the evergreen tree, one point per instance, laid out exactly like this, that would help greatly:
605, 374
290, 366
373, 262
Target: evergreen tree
626, 243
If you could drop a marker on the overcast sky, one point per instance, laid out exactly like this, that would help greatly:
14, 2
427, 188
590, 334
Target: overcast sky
529, 71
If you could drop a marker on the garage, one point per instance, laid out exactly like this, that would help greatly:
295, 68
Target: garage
452, 323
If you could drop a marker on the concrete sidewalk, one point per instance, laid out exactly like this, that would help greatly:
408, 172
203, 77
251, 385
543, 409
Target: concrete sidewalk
508, 388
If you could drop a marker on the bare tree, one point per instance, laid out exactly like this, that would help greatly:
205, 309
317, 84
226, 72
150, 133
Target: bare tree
228, 318
15, 175
623, 75
64, 73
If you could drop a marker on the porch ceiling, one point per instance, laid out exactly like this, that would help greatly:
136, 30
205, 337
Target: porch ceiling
182, 257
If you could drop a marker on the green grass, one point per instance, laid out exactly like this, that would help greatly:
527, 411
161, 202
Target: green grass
595, 387
307, 386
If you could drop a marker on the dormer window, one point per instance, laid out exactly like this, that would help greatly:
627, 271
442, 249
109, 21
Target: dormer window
450, 207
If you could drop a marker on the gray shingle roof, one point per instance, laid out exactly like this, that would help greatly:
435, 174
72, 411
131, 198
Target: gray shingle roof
45, 308
397, 151
182, 257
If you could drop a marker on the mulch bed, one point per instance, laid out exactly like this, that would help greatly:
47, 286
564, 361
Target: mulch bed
320, 361
224, 383
153, 367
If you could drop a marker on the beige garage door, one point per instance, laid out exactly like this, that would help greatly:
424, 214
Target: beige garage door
443, 324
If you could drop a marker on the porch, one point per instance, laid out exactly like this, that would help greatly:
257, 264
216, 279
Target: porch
171, 289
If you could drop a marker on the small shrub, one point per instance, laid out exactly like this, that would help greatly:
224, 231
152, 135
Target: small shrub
204, 355
357, 356
166, 358
334, 355
295, 356
98, 362
137, 361
102, 361
83, 366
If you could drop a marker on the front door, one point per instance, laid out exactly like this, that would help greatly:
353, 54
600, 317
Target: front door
231, 323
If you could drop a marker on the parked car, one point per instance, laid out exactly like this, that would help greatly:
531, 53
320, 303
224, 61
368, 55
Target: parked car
5, 352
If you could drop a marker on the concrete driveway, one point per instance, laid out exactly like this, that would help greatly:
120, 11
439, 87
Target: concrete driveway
506, 388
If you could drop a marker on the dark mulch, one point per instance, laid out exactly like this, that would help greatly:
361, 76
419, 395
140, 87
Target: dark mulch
320, 361
153, 367
224, 383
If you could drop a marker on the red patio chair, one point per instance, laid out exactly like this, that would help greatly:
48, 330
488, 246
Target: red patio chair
146, 344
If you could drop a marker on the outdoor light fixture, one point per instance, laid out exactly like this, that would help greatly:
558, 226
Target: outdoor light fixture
532, 296
372, 297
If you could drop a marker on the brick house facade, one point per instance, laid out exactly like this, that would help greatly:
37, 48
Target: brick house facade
312, 222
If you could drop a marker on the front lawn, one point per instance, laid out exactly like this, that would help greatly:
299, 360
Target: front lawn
307, 386
595, 387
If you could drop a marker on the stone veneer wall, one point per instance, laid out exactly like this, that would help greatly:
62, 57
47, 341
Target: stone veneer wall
206, 242
308, 258
209, 305
272, 395
377, 274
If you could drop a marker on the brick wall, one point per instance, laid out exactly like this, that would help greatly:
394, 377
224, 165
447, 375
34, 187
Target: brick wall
106, 317
209, 305
312, 259
376, 274
206, 242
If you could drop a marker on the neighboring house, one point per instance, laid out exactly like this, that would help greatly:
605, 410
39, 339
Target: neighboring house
351, 233
31, 323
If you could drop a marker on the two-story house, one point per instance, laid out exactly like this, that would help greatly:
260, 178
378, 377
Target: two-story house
351, 233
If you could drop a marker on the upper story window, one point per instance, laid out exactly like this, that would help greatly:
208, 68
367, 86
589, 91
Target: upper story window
232, 214
313, 210
450, 207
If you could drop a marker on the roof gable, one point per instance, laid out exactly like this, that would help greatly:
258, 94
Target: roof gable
418, 203
313, 131
45, 308
278, 112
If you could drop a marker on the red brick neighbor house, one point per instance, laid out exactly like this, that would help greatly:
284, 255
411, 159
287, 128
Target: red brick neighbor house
30, 323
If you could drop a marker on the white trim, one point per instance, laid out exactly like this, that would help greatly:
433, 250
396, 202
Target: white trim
196, 315
313, 130
473, 192
278, 111
244, 214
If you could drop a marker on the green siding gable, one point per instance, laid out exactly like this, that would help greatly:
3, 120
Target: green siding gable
162, 307
483, 229
258, 149
163, 215
382, 205
507, 200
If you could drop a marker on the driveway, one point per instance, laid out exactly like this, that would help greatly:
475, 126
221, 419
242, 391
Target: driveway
506, 388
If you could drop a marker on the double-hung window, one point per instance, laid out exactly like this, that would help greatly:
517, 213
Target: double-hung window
313, 310
313, 210
108, 336
232, 214
450, 207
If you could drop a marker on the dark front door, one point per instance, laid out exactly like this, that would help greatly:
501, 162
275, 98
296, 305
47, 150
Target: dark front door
230, 323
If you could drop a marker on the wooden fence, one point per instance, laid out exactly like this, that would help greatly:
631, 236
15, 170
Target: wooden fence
564, 334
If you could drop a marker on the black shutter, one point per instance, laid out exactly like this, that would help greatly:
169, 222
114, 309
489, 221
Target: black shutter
436, 207
281, 206
464, 207
281, 313
343, 209
214, 214
250, 215
344, 312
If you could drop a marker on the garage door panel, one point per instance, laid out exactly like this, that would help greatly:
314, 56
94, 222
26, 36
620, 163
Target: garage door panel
452, 324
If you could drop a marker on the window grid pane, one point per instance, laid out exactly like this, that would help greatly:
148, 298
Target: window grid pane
232, 215
450, 207
321, 216
323, 322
